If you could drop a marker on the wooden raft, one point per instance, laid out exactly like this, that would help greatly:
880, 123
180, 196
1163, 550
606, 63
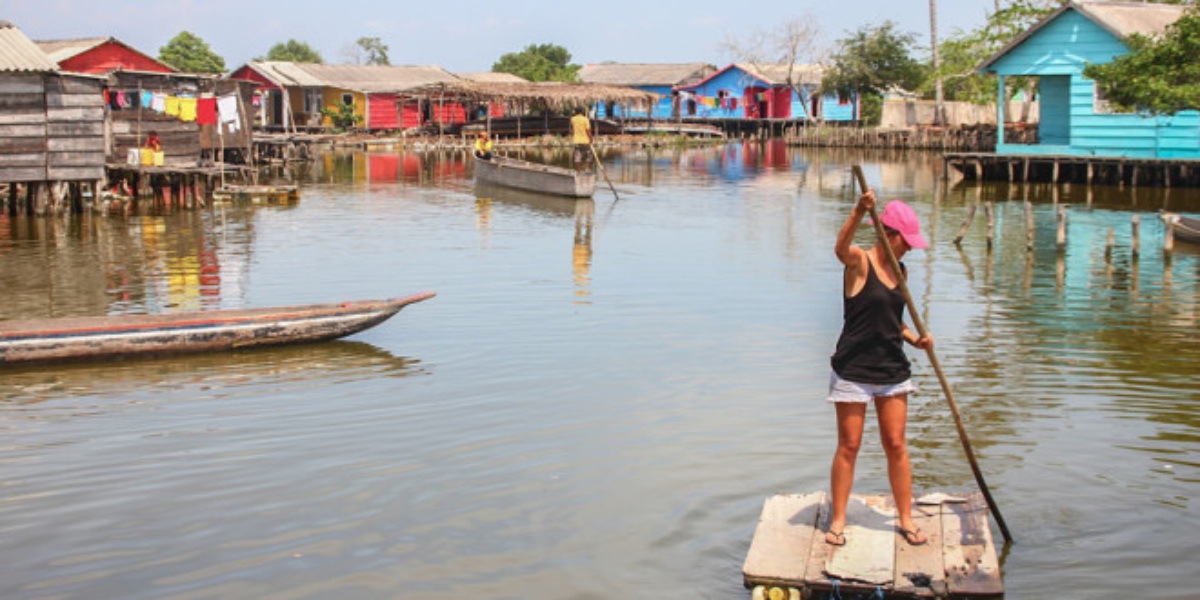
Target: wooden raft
959, 560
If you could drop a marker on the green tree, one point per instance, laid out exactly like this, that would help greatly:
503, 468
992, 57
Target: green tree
872, 61
374, 50
1159, 75
293, 51
961, 54
190, 54
542, 62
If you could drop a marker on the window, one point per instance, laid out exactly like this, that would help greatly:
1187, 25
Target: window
312, 100
348, 99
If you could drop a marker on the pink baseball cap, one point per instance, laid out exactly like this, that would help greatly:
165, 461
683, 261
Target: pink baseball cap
903, 218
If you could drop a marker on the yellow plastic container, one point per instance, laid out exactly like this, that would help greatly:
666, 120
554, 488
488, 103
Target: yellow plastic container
160, 159
147, 157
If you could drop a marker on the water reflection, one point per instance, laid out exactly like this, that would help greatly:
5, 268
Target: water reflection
299, 365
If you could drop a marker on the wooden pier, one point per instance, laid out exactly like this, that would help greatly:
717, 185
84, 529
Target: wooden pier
789, 559
1121, 171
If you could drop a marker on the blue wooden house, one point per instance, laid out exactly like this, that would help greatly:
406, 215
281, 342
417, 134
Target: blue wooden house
743, 91
1075, 119
657, 78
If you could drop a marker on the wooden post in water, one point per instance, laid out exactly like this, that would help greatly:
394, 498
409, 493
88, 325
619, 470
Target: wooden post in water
1028, 226
1169, 238
1137, 243
990, 211
1062, 227
962, 229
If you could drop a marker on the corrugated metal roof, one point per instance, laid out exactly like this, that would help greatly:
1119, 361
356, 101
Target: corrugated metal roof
358, 78
378, 78
777, 74
490, 77
1122, 19
60, 50
288, 74
19, 54
645, 74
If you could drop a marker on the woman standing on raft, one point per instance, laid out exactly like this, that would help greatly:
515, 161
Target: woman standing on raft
869, 362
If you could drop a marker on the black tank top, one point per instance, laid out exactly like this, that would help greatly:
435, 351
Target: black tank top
871, 348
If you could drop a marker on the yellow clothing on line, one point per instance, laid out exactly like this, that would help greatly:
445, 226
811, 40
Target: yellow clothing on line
187, 109
172, 106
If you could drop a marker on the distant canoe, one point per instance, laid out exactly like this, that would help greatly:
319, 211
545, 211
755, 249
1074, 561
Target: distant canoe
1187, 229
527, 126
535, 177
77, 338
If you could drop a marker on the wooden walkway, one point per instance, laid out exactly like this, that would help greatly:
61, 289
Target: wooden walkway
789, 559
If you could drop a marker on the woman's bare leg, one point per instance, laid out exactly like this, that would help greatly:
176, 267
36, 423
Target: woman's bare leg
893, 418
850, 418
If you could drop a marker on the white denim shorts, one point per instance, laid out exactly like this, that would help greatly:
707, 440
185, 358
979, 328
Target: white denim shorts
841, 390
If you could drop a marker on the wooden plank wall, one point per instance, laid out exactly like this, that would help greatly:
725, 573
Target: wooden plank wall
74, 129
22, 128
51, 128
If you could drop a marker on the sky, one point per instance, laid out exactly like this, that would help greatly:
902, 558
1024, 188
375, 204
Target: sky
465, 36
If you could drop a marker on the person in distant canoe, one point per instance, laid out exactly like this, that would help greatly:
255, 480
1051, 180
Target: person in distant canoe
483, 146
869, 363
581, 136
152, 142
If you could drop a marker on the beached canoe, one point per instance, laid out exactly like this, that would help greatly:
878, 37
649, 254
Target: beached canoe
1187, 229
534, 177
77, 338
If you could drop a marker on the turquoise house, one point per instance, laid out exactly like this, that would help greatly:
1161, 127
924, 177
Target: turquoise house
1075, 119
742, 91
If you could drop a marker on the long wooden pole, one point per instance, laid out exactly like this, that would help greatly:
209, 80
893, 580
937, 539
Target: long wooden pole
937, 367
602, 171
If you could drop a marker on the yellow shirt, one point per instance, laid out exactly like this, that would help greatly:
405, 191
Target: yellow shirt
483, 145
581, 130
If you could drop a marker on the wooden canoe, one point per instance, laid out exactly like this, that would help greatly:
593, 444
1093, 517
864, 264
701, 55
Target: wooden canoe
1187, 229
534, 177
78, 338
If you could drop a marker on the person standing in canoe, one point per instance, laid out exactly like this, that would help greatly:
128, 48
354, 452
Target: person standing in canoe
581, 136
869, 363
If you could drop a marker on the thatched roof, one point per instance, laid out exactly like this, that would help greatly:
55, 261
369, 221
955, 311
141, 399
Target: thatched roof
550, 93
492, 77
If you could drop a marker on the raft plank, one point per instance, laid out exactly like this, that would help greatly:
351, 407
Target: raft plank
920, 570
958, 560
870, 550
972, 567
782, 540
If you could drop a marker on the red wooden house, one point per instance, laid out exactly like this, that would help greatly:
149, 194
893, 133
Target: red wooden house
101, 55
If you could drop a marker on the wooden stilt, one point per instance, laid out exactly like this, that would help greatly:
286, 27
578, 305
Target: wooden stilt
1062, 227
1136, 223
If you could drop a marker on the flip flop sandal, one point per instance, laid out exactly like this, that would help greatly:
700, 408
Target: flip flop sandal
838, 539
912, 534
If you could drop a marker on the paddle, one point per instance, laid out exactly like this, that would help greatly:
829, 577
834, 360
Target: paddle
602, 171
937, 367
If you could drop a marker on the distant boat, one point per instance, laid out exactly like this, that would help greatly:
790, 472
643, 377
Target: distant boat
1187, 229
77, 338
534, 177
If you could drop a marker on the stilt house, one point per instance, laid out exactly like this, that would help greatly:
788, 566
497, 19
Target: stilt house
51, 125
775, 91
1075, 119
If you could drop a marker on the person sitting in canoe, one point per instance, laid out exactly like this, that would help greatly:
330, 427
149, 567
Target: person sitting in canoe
483, 147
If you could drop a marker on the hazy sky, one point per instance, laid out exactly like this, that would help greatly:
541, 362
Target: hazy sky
467, 36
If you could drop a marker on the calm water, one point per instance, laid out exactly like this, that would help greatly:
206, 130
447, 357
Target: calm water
601, 395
